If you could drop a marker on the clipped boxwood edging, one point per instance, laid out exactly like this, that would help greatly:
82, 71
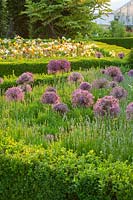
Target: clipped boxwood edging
17, 68
123, 42
57, 174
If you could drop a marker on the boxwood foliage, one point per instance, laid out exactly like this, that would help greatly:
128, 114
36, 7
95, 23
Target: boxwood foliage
33, 173
123, 42
36, 66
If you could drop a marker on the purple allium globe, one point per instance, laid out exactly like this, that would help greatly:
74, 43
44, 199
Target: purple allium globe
50, 98
129, 111
100, 83
82, 98
121, 55
26, 77
14, 94
50, 137
119, 78
113, 84
60, 108
25, 88
98, 54
85, 86
107, 105
55, 66
1, 80
130, 73
75, 77
112, 71
119, 92
50, 89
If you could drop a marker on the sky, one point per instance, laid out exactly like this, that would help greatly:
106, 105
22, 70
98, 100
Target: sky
115, 4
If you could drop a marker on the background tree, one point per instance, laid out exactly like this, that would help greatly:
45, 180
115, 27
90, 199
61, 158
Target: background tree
17, 22
117, 29
3, 18
57, 18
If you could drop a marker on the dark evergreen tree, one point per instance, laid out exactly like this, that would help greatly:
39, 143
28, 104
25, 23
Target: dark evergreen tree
56, 18
18, 23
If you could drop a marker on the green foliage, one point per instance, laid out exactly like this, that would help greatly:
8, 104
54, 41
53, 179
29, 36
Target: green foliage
117, 29
3, 18
18, 67
38, 174
17, 23
63, 18
123, 42
130, 57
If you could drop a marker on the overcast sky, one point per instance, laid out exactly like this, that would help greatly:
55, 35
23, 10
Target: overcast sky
115, 4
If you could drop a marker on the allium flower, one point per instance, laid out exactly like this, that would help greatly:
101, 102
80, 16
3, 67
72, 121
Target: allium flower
26, 77
119, 78
50, 137
50, 98
85, 86
113, 84
55, 66
107, 105
98, 54
112, 71
130, 73
61, 108
82, 98
1, 80
50, 89
121, 55
75, 77
119, 92
100, 83
14, 94
25, 88
129, 111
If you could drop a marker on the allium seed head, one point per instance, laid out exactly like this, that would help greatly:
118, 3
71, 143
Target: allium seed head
14, 94
26, 77
55, 66
129, 111
107, 105
75, 77
119, 92
130, 73
60, 108
50, 98
25, 88
100, 83
85, 86
82, 98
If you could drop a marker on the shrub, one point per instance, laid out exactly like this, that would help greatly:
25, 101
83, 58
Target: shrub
123, 42
34, 173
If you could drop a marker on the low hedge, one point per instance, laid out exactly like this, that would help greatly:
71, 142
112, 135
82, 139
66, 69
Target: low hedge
123, 42
39, 79
17, 68
32, 173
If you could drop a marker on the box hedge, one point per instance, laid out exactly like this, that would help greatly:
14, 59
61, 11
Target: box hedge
33, 173
17, 67
123, 42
